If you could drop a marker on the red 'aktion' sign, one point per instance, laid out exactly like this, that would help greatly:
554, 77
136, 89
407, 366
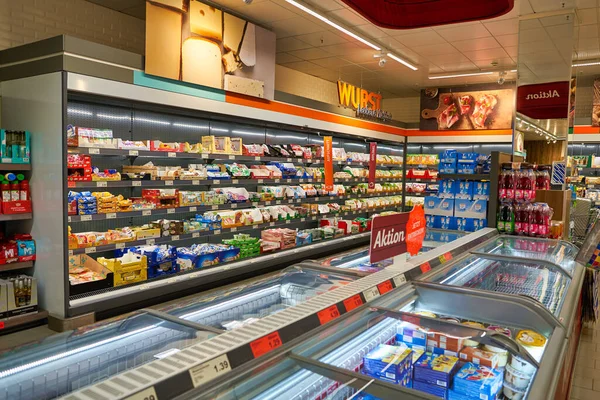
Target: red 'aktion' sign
395, 234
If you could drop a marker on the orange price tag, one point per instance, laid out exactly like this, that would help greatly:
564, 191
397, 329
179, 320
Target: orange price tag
71, 184
425, 267
328, 314
353, 302
265, 344
1, 324
448, 256
385, 287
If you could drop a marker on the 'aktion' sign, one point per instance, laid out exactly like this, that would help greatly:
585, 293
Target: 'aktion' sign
395, 234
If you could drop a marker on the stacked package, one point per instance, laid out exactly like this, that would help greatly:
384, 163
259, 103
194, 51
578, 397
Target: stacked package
473, 382
107, 202
433, 374
249, 246
86, 204
279, 238
389, 363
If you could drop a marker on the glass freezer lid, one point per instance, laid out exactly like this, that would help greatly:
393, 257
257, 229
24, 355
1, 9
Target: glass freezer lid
357, 260
240, 305
558, 252
66, 362
526, 278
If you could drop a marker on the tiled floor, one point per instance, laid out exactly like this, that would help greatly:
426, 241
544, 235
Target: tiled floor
586, 383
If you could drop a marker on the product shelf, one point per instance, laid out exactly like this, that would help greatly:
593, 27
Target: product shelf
209, 182
227, 206
421, 180
15, 167
470, 177
223, 231
422, 166
20, 320
15, 217
17, 265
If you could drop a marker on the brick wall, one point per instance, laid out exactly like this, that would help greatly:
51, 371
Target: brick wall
24, 21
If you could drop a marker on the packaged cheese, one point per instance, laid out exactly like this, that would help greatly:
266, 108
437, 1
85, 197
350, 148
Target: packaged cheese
247, 86
163, 41
206, 21
202, 62
233, 32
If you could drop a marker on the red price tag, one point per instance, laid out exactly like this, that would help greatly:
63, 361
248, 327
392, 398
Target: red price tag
448, 256
71, 184
265, 344
353, 302
328, 314
1, 324
425, 267
385, 287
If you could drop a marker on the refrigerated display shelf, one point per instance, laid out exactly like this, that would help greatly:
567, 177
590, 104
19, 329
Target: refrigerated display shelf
434, 166
469, 177
219, 232
210, 156
419, 180
228, 206
17, 265
21, 320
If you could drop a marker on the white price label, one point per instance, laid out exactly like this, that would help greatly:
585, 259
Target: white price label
371, 293
232, 157
210, 370
254, 204
257, 158
317, 199
171, 211
591, 186
214, 207
277, 180
146, 394
299, 201
204, 155
289, 160
217, 232
235, 181
136, 183
143, 287
111, 215
289, 180
90, 250
86, 217
268, 202
70, 252
134, 153
101, 184
93, 151
193, 209
150, 242
171, 155
195, 182
120, 246
175, 237
216, 182
168, 183
272, 224
261, 180
302, 219
234, 205
301, 180
146, 213
195, 235
68, 219
256, 227
399, 280
233, 229
278, 202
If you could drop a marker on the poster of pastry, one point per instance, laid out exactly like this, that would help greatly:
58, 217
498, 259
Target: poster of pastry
596, 103
191, 41
457, 109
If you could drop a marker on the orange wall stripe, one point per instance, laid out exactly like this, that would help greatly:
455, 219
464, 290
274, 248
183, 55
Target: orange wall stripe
486, 132
586, 130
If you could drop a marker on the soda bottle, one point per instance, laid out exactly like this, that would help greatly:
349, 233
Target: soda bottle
500, 221
528, 184
519, 183
507, 183
543, 178
509, 222
521, 219
546, 213
535, 220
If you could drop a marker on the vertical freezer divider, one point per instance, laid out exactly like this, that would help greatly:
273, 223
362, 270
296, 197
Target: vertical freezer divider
500, 257
377, 388
482, 336
184, 322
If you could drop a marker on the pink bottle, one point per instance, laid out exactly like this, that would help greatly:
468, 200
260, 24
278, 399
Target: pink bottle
519, 185
546, 220
528, 184
522, 212
535, 218
507, 183
543, 178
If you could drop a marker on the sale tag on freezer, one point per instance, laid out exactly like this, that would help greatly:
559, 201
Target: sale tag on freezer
265, 344
385, 287
425, 267
210, 370
328, 314
353, 302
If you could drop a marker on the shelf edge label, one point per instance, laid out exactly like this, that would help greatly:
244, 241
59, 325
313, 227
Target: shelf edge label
265, 344
146, 394
328, 314
209, 370
385, 287
353, 302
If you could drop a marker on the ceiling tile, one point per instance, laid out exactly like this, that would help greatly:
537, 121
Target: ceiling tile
512, 51
342, 48
400, 32
331, 62
469, 32
302, 66
347, 16
294, 27
539, 6
360, 56
283, 58
454, 58
527, 24
266, 12
478, 44
464, 66
523, 8
310, 54
486, 54
587, 16
507, 63
327, 74
351, 69
508, 40
291, 44
327, 5
533, 35
586, 3
557, 20
435, 49
421, 39
371, 31
503, 27
325, 38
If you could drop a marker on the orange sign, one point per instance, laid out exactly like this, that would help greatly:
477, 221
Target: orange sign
351, 96
328, 154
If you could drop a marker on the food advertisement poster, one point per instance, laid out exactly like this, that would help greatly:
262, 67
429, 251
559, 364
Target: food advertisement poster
458, 109
596, 103
190, 41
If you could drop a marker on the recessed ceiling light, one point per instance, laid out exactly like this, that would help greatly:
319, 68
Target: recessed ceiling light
401, 61
460, 75
586, 64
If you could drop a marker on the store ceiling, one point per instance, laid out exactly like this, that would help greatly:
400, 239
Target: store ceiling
308, 45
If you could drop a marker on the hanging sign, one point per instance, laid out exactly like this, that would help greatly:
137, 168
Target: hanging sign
544, 100
372, 165
367, 104
328, 155
395, 234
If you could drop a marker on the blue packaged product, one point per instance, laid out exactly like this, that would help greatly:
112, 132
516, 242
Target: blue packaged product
429, 221
468, 157
410, 334
445, 223
478, 381
435, 369
448, 156
388, 362
440, 351
464, 190
481, 191
470, 208
468, 167
447, 189
431, 389
437, 206
366, 397
447, 168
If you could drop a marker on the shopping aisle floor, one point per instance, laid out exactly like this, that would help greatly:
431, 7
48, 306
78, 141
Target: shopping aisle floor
586, 382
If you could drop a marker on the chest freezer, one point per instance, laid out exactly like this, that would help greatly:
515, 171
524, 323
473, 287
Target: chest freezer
243, 304
66, 362
382, 353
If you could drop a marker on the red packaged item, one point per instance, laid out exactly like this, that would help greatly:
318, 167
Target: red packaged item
9, 252
445, 342
79, 167
479, 357
255, 150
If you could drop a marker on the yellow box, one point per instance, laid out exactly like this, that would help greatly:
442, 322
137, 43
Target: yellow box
148, 233
130, 268
236, 146
216, 144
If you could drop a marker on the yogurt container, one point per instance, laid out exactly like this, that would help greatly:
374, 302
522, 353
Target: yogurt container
522, 366
516, 378
527, 337
512, 393
502, 354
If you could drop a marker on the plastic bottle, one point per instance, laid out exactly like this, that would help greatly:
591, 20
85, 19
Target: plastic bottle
521, 219
543, 178
535, 219
546, 220
507, 183
24, 190
519, 185
506, 218
500, 221
5, 187
529, 184
14, 191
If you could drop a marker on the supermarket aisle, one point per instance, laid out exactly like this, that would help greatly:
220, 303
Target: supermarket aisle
586, 383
